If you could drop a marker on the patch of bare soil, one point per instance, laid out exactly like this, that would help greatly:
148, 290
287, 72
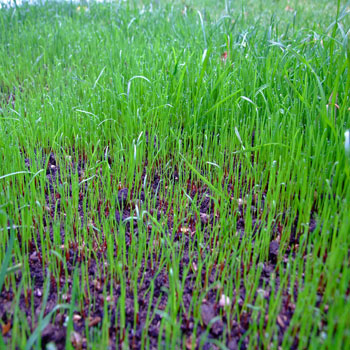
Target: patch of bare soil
214, 319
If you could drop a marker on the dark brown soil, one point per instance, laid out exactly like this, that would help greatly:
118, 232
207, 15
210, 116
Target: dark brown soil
213, 320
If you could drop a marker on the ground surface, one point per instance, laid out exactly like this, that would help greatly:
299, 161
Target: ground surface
173, 176
212, 308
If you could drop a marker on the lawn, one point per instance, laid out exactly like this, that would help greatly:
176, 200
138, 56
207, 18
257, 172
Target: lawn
173, 175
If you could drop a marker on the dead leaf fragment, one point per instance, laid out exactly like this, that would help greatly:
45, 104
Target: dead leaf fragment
185, 230
97, 284
224, 56
190, 344
77, 340
204, 218
76, 317
6, 328
95, 321
280, 321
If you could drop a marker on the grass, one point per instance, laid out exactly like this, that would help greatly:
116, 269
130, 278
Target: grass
243, 104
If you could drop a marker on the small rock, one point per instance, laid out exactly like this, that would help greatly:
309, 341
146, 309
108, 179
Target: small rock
142, 196
232, 344
240, 201
34, 257
52, 159
204, 218
224, 301
51, 346
208, 313
273, 252
217, 328
123, 196
60, 319
47, 333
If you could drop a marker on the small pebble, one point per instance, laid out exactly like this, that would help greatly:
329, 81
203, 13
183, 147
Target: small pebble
224, 301
123, 196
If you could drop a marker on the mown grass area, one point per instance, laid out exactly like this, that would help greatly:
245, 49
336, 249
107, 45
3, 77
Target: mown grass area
174, 176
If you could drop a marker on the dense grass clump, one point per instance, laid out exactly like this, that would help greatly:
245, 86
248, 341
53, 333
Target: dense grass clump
173, 175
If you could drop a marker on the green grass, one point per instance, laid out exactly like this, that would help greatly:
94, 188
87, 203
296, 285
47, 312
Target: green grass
92, 84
